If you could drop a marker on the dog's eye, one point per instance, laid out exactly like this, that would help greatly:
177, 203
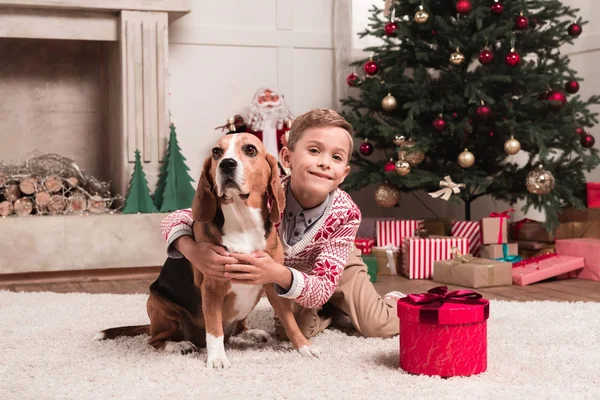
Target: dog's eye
217, 153
250, 150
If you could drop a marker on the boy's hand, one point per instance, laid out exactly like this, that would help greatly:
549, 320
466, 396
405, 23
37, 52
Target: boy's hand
206, 257
260, 269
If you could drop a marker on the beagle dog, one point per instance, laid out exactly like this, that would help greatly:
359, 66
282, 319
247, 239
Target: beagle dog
188, 310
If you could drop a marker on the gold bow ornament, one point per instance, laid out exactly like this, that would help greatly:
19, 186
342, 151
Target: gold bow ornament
448, 187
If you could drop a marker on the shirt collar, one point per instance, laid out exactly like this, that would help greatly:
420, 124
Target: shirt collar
293, 209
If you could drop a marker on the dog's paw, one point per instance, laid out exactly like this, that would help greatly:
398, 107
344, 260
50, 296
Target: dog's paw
183, 347
257, 335
310, 351
218, 362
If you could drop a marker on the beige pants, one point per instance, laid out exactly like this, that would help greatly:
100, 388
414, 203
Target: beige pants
355, 296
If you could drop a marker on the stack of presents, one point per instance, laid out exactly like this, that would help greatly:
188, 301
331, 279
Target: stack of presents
444, 333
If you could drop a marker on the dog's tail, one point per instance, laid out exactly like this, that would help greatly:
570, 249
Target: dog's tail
112, 333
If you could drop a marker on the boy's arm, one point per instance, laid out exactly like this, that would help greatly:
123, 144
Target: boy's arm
175, 225
314, 290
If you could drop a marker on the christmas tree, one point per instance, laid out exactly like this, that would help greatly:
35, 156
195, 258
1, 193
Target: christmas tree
476, 90
138, 198
174, 189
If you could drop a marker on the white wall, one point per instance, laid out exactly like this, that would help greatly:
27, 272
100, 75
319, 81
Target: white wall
222, 52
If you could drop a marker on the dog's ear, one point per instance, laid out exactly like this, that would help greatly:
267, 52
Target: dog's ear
204, 206
276, 190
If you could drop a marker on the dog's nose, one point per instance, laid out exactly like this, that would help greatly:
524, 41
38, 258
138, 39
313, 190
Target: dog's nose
227, 164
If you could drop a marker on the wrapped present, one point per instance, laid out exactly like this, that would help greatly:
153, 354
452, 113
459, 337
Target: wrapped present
528, 230
593, 194
587, 248
439, 226
469, 271
532, 249
579, 215
393, 232
389, 260
419, 254
364, 244
371, 262
536, 269
508, 252
443, 333
494, 229
470, 230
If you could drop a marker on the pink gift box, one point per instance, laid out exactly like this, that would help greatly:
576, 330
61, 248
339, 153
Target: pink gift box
539, 268
587, 248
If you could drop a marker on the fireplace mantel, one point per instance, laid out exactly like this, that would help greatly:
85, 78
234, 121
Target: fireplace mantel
134, 36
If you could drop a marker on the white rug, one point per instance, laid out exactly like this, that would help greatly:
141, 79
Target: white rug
537, 350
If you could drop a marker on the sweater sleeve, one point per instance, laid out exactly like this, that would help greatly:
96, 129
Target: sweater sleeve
175, 225
313, 290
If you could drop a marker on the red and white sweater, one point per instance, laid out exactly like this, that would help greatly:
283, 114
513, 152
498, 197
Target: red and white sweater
317, 260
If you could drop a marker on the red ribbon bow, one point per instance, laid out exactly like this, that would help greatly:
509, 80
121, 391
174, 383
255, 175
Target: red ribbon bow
436, 297
501, 215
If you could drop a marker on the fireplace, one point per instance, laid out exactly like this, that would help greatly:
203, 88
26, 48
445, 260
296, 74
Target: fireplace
87, 80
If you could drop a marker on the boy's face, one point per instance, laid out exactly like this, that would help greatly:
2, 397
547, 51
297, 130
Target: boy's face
318, 164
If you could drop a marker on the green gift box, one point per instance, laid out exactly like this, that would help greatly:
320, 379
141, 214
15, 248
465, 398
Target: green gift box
371, 262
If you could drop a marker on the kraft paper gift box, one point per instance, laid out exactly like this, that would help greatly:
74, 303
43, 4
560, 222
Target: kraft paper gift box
473, 272
393, 232
587, 248
510, 251
389, 260
494, 229
443, 333
470, 230
537, 269
419, 254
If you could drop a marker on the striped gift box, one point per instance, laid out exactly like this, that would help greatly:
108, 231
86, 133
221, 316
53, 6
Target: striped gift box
392, 232
470, 230
419, 254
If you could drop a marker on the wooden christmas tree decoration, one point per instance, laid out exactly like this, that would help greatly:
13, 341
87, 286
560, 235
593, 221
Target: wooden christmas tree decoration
174, 189
138, 199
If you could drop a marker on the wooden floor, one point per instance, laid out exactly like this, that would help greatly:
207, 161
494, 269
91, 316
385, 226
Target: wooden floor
137, 280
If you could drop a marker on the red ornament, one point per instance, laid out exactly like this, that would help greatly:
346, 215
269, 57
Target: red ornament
575, 30
439, 124
587, 141
579, 131
557, 96
513, 58
484, 112
390, 28
434, 32
352, 79
371, 68
572, 87
522, 22
389, 166
366, 148
454, 114
491, 134
497, 8
486, 56
463, 6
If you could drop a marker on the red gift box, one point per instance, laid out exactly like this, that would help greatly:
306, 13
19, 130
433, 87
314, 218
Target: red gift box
393, 232
539, 268
364, 244
443, 333
593, 194
470, 230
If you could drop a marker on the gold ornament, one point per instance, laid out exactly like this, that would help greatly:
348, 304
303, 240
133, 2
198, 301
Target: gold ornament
406, 152
421, 16
402, 167
457, 57
539, 181
466, 159
387, 195
512, 146
389, 103
399, 140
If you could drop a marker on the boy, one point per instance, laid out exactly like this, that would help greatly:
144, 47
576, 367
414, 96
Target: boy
323, 271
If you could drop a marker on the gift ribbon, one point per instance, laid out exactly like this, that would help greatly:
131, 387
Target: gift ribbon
389, 252
505, 257
501, 215
448, 187
431, 301
535, 259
